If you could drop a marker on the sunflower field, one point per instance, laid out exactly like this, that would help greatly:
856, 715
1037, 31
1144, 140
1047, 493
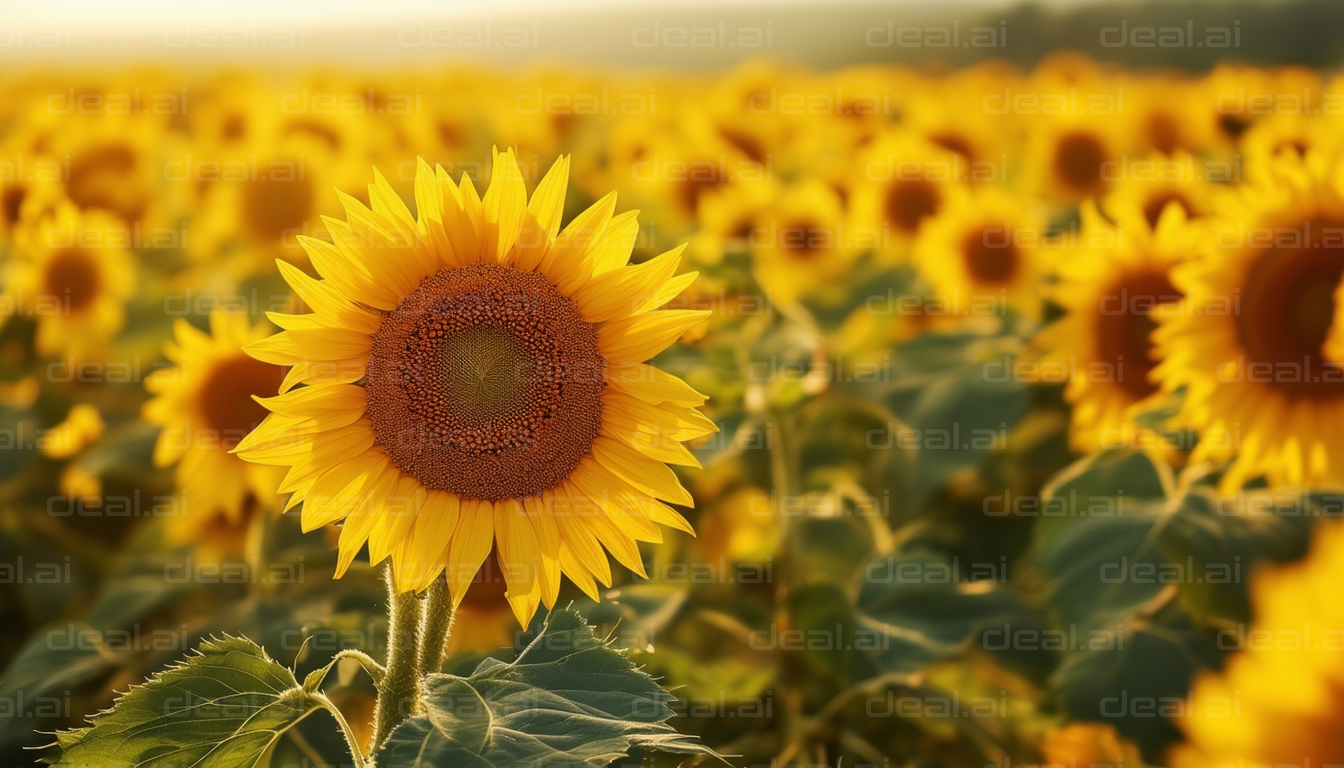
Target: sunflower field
868, 416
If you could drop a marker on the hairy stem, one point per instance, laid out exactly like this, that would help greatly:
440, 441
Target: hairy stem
438, 626
399, 690
357, 752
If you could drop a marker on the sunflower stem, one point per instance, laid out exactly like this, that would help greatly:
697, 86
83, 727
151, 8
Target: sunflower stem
438, 626
399, 690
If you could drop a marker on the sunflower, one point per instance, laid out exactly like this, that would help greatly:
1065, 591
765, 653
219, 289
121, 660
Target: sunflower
72, 272
205, 404
1165, 180
803, 241
1101, 348
1247, 344
941, 116
1074, 156
901, 182
982, 254
476, 379
112, 163
1278, 700
1165, 115
253, 211
726, 219
1287, 135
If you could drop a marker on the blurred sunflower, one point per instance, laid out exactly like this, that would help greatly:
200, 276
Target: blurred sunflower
802, 242
72, 273
1165, 117
1247, 344
206, 403
1277, 701
1174, 179
1102, 348
253, 211
1076, 156
113, 163
1285, 135
981, 255
900, 182
505, 402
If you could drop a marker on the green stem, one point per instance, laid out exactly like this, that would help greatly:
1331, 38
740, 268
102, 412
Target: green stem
438, 626
321, 700
399, 691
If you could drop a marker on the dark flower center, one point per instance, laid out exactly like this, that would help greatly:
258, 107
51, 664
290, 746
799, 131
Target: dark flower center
486, 383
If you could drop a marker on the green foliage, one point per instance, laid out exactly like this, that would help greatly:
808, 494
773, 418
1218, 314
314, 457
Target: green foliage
568, 699
222, 708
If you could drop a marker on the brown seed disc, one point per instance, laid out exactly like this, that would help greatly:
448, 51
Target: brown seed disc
486, 383
226, 397
1287, 307
1125, 327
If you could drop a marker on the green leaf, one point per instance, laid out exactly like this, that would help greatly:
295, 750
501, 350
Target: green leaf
568, 699
222, 708
955, 398
910, 610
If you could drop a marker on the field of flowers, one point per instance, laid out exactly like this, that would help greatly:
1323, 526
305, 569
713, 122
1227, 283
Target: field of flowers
971, 418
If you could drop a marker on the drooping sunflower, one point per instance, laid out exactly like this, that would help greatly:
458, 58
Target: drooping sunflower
475, 378
983, 254
1111, 288
1248, 343
1277, 701
205, 404
72, 273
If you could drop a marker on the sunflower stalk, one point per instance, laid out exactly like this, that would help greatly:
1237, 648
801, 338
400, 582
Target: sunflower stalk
399, 690
438, 626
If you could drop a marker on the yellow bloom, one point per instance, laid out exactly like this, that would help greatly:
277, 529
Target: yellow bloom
1247, 344
206, 404
504, 398
1102, 347
1290, 135
802, 242
72, 273
982, 253
1152, 183
1277, 701
82, 427
901, 182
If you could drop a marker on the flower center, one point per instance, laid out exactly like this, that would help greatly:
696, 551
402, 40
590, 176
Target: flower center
98, 178
11, 203
486, 383
909, 202
804, 240
954, 142
226, 398
1125, 327
1164, 132
1078, 162
1287, 310
272, 207
72, 277
989, 261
